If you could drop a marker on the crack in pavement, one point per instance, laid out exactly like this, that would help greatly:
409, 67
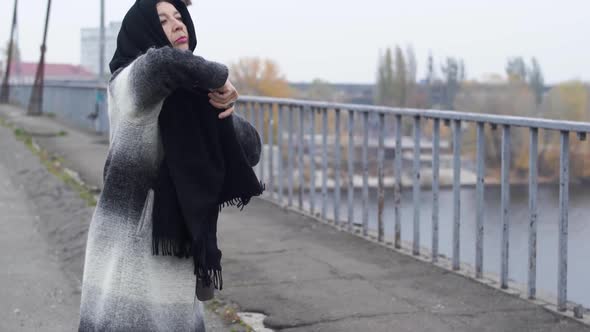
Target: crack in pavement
334, 320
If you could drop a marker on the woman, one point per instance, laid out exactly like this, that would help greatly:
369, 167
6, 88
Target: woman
176, 155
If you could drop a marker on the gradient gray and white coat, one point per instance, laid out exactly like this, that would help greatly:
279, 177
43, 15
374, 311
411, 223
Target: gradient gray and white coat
125, 287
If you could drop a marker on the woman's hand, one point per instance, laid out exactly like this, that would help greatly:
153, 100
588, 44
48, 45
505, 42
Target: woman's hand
224, 99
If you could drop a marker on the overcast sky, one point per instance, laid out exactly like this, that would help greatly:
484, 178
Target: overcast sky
339, 41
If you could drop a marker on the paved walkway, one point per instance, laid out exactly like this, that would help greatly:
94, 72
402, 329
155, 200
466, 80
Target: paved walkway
36, 295
306, 276
43, 225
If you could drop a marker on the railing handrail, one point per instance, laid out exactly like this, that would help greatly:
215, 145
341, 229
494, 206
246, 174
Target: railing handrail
66, 84
500, 120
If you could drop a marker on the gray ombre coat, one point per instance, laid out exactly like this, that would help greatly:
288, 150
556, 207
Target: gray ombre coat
125, 287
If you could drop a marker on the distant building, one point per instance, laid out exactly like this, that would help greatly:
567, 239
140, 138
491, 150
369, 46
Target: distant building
89, 46
24, 73
339, 92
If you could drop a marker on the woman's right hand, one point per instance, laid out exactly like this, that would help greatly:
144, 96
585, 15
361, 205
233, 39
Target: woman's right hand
224, 98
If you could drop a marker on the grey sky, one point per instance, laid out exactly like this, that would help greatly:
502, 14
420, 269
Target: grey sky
339, 40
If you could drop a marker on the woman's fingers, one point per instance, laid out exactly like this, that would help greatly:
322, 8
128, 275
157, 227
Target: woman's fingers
226, 113
219, 98
224, 97
221, 106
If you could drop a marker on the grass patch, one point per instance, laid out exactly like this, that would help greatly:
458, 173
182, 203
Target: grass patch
229, 315
52, 163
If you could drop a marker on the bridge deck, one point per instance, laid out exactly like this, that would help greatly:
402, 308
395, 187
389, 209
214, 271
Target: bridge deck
307, 276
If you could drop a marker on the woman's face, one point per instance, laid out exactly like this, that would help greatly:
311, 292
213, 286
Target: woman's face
173, 26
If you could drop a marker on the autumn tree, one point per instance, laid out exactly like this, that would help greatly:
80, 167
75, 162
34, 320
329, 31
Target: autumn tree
412, 66
16, 55
516, 69
385, 76
514, 99
320, 90
396, 77
536, 81
451, 73
566, 101
412, 99
260, 77
400, 81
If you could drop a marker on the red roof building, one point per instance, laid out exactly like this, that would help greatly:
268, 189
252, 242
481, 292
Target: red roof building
24, 73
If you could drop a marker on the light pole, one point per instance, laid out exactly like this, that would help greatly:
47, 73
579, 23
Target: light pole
101, 43
36, 102
4, 94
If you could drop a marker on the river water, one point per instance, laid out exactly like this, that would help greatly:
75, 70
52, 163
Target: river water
578, 289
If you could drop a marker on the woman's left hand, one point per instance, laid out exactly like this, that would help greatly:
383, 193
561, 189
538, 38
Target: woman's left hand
224, 99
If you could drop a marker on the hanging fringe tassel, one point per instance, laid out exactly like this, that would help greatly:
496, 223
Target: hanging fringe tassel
168, 247
241, 202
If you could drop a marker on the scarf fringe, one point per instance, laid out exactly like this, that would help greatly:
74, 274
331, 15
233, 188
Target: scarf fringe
210, 276
241, 202
184, 249
169, 247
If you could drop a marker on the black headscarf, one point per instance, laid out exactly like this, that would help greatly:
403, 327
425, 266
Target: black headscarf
141, 29
204, 166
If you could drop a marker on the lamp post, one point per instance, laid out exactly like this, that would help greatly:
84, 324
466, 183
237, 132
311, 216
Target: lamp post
36, 102
101, 43
4, 94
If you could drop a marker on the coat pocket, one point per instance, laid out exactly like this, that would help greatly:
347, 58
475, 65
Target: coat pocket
144, 226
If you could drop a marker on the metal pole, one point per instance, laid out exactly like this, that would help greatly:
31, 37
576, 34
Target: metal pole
101, 43
5, 87
564, 176
36, 102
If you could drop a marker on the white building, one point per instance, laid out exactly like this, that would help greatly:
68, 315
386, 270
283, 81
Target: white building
89, 47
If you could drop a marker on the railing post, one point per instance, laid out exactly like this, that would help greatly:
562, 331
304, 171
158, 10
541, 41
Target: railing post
457, 138
381, 186
365, 163
250, 108
261, 125
312, 155
300, 149
324, 161
397, 194
533, 174
480, 194
271, 184
291, 157
337, 169
416, 185
563, 221
435, 187
280, 140
505, 205
351, 154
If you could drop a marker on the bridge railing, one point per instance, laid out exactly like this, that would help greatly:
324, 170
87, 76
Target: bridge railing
318, 155
308, 140
83, 105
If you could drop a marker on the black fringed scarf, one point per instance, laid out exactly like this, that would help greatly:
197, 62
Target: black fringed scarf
204, 166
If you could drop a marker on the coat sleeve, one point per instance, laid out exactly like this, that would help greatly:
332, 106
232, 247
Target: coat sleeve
150, 78
248, 138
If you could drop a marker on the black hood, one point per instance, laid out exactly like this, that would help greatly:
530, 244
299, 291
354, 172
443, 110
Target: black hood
141, 30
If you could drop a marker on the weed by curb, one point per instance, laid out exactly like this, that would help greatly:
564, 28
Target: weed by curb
53, 163
229, 314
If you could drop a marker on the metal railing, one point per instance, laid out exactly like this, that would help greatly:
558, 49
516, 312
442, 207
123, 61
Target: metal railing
83, 105
289, 129
295, 143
